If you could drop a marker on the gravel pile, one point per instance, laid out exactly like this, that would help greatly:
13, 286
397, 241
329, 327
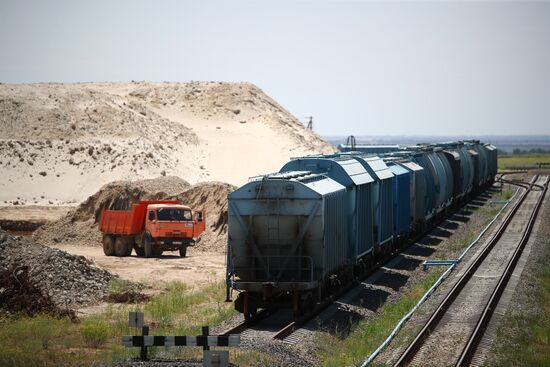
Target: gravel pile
34, 272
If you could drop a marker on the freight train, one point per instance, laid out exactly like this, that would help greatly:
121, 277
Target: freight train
298, 235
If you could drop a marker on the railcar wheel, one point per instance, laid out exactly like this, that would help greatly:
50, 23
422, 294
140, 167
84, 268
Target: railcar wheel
108, 245
307, 304
248, 311
120, 247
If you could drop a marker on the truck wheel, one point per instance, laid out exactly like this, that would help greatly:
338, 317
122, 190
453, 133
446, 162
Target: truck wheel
147, 246
108, 245
183, 251
139, 250
157, 252
129, 246
120, 247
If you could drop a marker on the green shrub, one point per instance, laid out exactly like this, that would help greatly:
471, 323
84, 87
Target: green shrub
118, 285
95, 332
43, 337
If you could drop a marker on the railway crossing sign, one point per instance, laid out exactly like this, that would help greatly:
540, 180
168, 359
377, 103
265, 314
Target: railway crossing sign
181, 341
135, 319
218, 358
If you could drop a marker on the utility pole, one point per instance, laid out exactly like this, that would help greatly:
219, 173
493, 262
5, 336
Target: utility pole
310, 123
351, 142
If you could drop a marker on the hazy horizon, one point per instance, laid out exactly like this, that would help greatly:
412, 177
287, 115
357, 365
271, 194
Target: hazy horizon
362, 68
503, 142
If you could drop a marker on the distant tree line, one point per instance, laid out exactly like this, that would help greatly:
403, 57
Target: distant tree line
518, 151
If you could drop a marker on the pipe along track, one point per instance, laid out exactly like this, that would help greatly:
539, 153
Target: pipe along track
293, 325
424, 350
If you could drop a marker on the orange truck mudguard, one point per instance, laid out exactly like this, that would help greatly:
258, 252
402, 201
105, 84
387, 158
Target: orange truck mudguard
150, 227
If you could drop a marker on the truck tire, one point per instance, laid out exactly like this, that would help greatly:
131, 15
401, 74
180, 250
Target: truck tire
121, 246
157, 251
140, 252
108, 245
129, 246
147, 245
183, 251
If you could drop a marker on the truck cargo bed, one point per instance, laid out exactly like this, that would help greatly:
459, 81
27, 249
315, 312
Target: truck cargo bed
127, 222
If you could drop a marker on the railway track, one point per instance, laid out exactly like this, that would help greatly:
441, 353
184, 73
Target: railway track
453, 332
280, 324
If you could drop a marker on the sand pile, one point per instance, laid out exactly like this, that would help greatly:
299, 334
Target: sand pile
79, 226
36, 278
59, 143
212, 197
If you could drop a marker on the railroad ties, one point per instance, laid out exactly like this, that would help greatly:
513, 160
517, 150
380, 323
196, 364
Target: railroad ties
454, 333
458, 323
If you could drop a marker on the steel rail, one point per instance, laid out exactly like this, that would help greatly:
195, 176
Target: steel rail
522, 184
262, 314
296, 324
438, 314
478, 332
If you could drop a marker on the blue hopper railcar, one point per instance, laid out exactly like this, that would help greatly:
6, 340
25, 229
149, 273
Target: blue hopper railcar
296, 236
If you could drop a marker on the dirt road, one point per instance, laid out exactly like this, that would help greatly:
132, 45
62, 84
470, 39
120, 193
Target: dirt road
196, 270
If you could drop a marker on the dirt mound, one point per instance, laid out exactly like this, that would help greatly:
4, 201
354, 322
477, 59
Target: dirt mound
80, 225
59, 143
121, 195
36, 278
127, 296
212, 197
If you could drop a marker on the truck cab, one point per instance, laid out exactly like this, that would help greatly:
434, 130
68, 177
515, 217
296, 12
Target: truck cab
172, 227
165, 220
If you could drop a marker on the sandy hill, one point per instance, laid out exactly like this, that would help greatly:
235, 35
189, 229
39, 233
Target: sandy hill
62, 142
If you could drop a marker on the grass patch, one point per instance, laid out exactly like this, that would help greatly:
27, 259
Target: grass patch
117, 285
485, 214
367, 335
40, 341
507, 162
529, 342
95, 332
505, 194
96, 339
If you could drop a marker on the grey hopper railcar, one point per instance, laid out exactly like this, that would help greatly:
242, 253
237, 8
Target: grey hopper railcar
287, 234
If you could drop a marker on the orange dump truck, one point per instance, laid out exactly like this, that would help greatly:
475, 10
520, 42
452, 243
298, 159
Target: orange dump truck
150, 227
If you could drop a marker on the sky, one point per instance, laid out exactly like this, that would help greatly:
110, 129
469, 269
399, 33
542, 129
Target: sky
358, 67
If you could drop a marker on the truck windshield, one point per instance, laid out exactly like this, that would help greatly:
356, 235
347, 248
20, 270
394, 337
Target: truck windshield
173, 214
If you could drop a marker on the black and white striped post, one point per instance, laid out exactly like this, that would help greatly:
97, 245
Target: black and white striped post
205, 340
